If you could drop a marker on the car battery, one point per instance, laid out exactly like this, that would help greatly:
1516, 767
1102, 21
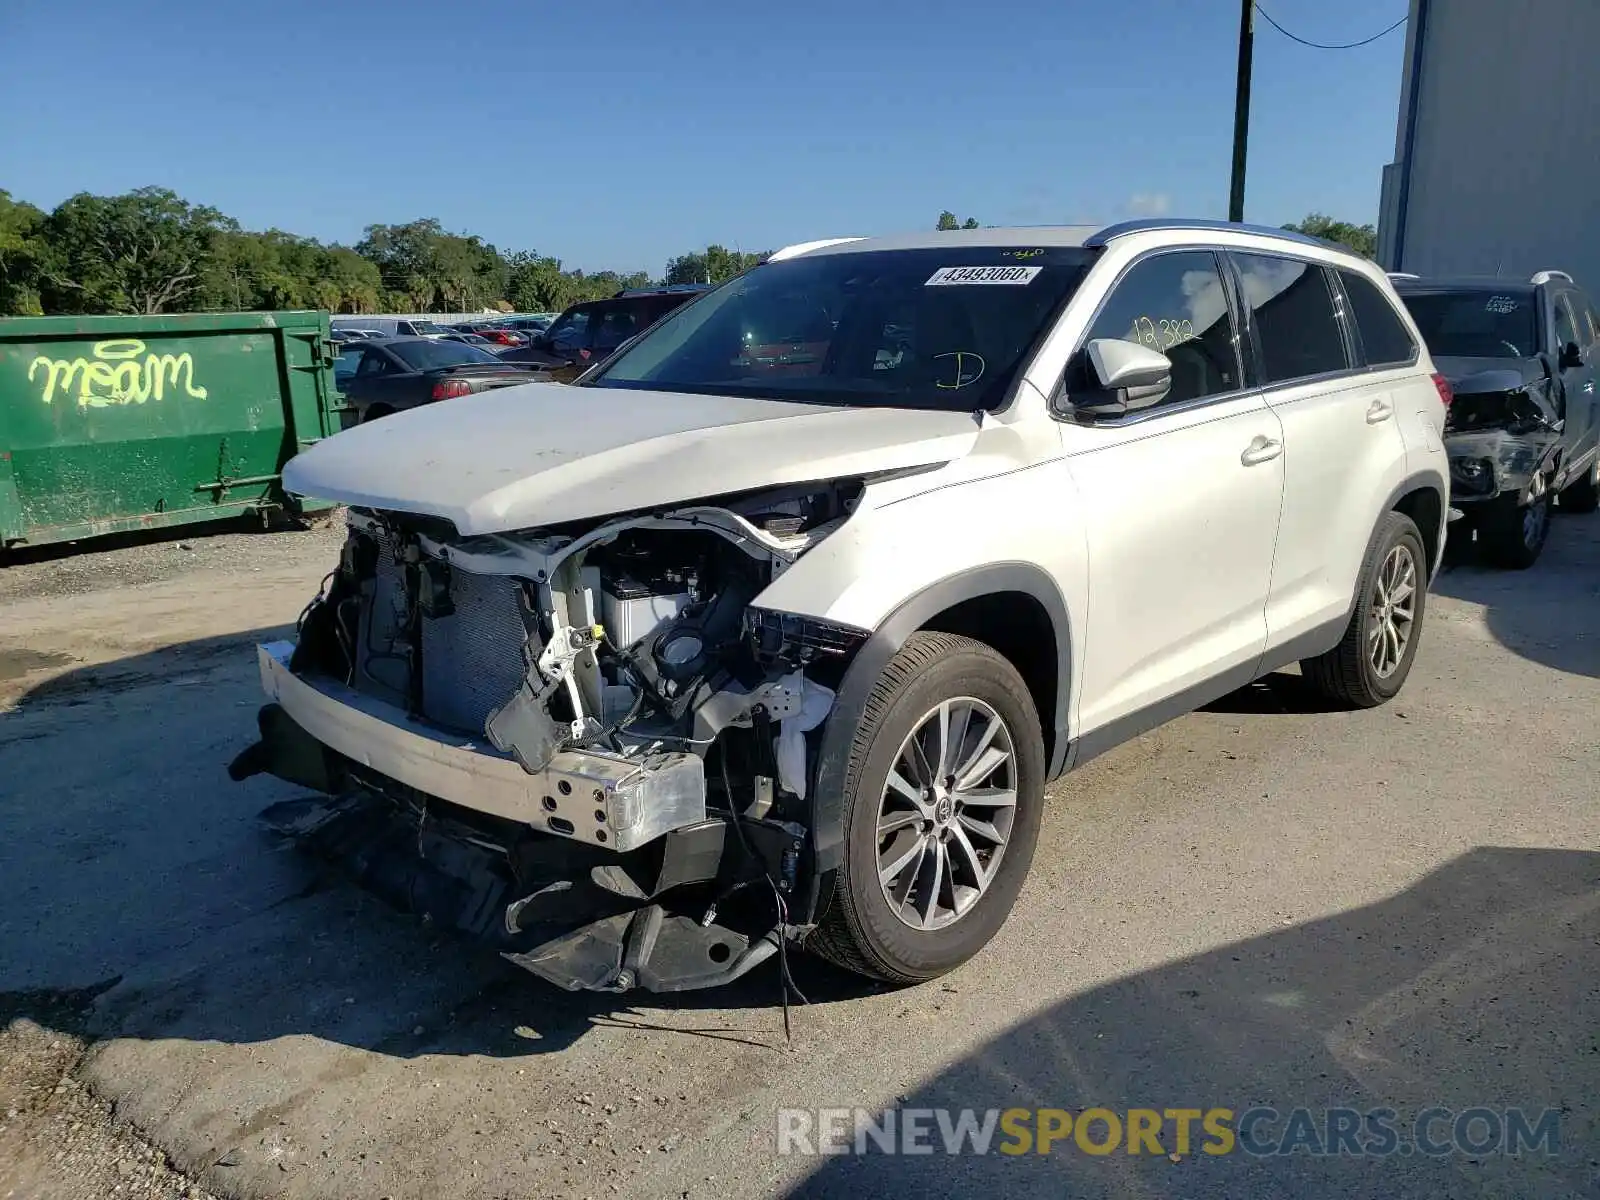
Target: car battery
631, 610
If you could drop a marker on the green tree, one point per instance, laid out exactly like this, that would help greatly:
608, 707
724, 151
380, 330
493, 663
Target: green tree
21, 248
714, 264
143, 252
1363, 239
350, 283
970, 223
947, 221
426, 268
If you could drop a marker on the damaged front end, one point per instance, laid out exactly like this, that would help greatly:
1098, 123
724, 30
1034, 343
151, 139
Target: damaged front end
1503, 434
586, 746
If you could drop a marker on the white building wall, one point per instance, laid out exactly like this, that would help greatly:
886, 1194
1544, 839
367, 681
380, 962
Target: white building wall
1504, 170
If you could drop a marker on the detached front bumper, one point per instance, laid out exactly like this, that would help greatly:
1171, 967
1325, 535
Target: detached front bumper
1487, 465
449, 828
602, 799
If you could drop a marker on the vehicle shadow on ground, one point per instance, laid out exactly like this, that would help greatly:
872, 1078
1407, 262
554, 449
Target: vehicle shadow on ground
141, 897
1477, 987
1542, 613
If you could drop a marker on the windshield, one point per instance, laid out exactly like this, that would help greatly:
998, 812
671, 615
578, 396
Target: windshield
1475, 323
431, 356
427, 327
927, 328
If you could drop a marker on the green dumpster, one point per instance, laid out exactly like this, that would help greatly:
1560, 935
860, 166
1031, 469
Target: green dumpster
116, 423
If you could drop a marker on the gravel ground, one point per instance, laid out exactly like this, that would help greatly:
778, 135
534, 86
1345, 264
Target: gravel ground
58, 1141
1264, 902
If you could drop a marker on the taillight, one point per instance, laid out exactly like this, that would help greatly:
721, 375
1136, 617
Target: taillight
1446, 393
446, 388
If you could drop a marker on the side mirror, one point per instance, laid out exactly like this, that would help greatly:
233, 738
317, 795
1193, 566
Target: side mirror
1571, 356
1130, 377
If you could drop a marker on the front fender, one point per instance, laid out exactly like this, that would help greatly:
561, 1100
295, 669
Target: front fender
892, 570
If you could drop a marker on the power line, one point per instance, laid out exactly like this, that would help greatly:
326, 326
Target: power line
1267, 17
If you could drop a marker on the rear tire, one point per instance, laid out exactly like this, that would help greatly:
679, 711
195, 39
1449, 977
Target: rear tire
1370, 664
1584, 495
376, 411
931, 870
1513, 535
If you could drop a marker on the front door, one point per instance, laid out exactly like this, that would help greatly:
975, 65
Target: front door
1180, 505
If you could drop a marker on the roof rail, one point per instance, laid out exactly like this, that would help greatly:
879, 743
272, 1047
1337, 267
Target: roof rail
1541, 277
664, 289
805, 247
1402, 275
1147, 224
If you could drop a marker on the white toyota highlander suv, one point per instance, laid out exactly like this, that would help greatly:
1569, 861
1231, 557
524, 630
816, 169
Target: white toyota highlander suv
774, 627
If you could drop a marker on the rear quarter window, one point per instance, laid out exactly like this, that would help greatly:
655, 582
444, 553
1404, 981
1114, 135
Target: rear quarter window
1385, 341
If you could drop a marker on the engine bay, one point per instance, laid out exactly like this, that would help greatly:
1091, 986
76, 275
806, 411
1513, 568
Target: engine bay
635, 640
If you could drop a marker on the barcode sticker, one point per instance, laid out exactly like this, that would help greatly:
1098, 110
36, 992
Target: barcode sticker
1014, 276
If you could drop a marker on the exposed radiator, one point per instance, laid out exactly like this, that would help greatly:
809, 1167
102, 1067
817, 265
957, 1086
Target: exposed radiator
382, 664
473, 660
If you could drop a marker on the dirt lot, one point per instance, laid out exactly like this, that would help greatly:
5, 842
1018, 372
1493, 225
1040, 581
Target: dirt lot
1263, 903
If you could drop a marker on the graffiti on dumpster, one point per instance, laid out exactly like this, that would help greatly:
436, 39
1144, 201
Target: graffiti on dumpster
120, 372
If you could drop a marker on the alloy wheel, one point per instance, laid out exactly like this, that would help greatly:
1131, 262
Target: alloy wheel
1394, 610
946, 813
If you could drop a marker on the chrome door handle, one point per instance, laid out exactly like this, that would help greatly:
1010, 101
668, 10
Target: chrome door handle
1260, 450
1379, 410
1588, 388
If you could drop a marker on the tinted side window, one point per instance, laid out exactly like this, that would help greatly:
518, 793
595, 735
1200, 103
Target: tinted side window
374, 364
615, 327
571, 330
1297, 331
1175, 303
345, 365
1384, 339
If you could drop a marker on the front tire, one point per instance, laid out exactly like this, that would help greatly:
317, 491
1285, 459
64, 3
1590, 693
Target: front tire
1370, 664
943, 796
1584, 495
1513, 535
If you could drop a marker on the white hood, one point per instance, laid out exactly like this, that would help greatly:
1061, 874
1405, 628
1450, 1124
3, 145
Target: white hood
545, 453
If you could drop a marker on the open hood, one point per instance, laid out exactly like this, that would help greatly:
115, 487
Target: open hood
547, 453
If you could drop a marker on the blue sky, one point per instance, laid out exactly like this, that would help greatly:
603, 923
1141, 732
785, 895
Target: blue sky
620, 132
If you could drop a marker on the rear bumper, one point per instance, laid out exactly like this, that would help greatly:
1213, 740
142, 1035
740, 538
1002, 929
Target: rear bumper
602, 799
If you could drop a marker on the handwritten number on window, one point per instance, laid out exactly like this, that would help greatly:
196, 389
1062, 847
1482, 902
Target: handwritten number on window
1163, 333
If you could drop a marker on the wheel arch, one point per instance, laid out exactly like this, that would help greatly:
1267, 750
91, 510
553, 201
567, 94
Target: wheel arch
1424, 497
1008, 606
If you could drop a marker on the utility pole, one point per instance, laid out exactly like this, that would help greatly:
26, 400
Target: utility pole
1241, 108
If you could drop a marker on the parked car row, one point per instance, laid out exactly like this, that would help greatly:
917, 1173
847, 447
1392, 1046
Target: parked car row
771, 628
558, 347
381, 376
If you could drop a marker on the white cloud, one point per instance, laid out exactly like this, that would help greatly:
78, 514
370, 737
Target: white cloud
1149, 204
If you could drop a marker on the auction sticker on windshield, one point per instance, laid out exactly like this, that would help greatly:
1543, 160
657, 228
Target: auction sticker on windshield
1016, 276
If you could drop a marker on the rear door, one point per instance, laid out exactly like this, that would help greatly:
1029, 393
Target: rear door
1344, 450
